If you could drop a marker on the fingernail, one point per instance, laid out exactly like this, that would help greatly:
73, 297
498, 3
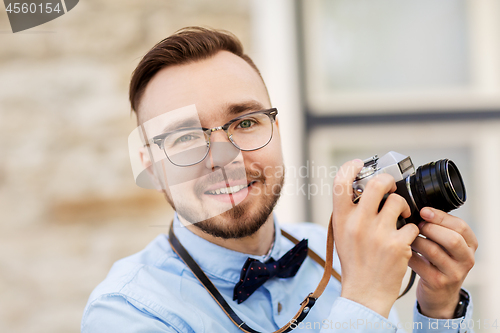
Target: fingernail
358, 162
426, 213
421, 225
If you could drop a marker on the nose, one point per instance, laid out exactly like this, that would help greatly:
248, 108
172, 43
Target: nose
222, 151
218, 135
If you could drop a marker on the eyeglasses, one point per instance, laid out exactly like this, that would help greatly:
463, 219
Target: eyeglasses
190, 146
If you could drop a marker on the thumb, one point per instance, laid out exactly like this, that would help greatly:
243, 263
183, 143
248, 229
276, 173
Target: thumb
342, 184
409, 232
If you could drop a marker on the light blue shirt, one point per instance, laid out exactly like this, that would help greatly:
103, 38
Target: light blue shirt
153, 291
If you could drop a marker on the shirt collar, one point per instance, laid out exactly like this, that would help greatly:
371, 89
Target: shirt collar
218, 261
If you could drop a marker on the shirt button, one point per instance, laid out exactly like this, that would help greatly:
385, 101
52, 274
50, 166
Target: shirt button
280, 307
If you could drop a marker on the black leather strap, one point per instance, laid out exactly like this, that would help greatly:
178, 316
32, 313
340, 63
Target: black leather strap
305, 308
462, 305
410, 284
205, 281
306, 304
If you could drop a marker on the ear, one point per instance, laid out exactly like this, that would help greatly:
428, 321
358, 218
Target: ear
147, 164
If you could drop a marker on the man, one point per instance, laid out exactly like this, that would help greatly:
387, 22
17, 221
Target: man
201, 78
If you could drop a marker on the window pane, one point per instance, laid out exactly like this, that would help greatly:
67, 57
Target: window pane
393, 45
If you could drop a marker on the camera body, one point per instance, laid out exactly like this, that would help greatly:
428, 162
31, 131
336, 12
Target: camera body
436, 184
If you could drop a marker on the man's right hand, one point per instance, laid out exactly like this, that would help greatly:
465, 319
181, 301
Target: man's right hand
373, 253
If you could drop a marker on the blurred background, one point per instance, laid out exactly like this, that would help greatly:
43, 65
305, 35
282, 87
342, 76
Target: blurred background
351, 78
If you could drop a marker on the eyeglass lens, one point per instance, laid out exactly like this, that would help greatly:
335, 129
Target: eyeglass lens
190, 146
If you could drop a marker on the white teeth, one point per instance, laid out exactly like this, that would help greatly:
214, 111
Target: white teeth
226, 190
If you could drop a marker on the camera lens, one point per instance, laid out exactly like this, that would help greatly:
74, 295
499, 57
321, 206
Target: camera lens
439, 185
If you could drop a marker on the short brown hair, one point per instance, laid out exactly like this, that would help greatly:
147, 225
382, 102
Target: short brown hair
186, 45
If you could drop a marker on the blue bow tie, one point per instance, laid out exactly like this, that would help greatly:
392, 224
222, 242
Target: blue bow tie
255, 273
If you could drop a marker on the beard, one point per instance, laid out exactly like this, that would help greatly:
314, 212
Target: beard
240, 221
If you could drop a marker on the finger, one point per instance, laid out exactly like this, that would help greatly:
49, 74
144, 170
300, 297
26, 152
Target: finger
408, 233
423, 267
454, 223
394, 206
342, 185
375, 190
449, 239
435, 255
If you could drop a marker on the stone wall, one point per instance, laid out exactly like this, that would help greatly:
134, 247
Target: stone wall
69, 206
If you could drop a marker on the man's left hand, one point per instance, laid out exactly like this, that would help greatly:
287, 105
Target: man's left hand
447, 255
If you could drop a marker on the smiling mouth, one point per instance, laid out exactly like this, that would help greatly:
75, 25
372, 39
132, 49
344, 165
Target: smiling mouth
229, 190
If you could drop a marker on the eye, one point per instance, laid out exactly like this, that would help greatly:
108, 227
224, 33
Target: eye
246, 123
185, 138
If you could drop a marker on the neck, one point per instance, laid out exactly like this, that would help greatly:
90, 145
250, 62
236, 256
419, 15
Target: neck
258, 243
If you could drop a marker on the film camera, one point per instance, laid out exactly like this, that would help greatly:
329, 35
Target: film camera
436, 184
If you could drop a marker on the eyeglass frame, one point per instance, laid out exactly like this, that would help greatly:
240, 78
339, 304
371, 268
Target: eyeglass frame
271, 113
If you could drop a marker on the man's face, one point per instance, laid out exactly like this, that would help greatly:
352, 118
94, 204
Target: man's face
221, 88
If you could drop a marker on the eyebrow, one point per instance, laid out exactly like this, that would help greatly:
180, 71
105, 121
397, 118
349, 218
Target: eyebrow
189, 122
238, 108
234, 109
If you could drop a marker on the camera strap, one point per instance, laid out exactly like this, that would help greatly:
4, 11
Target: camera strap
305, 305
